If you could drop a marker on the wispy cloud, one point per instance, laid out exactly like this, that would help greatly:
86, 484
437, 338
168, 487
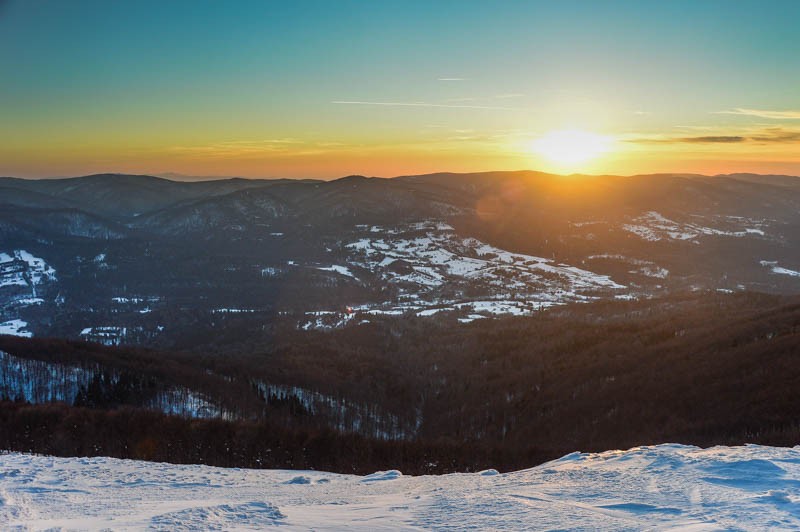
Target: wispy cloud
708, 139
256, 148
424, 104
766, 136
267, 142
695, 128
493, 137
761, 113
777, 134
505, 96
713, 139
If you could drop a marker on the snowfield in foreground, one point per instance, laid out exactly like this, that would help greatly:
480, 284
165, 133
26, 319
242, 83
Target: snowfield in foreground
661, 487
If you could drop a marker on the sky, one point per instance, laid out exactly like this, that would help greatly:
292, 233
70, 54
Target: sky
330, 88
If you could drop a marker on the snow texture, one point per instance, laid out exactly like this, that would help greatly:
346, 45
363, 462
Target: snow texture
21, 268
433, 254
653, 226
342, 270
15, 328
21, 276
666, 487
774, 268
430, 263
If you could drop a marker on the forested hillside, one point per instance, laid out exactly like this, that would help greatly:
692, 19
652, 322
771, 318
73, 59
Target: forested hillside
702, 368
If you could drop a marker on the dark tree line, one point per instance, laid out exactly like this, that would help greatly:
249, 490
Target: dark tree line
107, 390
698, 369
61, 430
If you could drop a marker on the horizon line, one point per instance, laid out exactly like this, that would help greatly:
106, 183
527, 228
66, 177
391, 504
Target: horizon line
201, 179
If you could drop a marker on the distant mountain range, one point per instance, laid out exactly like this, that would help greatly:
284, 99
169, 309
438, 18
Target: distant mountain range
333, 253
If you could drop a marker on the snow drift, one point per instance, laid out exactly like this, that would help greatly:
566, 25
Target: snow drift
662, 487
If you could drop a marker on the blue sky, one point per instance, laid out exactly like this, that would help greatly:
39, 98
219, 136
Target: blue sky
159, 86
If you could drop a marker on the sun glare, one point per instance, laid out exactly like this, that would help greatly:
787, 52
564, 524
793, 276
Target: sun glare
571, 148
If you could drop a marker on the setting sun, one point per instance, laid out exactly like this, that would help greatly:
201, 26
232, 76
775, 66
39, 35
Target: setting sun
570, 148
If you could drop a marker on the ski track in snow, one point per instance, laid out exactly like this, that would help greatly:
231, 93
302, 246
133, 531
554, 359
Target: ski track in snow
656, 488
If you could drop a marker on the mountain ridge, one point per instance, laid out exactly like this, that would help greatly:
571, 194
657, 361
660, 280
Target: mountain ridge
480, 244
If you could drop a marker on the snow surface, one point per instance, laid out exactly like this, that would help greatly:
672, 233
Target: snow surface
342, 270
785, 271
773, 266
333, 319
434, 255
31, 271
644, 267
434, 268
653, 226
654, 488
325, 319
21, 274
15, 328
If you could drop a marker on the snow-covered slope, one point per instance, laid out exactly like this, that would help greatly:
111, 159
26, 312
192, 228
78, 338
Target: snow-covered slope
37, 382
433, 254
662, 487
434, 269
21, 268
653, 226
22, 277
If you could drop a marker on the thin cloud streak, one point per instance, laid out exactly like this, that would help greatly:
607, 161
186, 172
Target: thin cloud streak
761, 113
256, 148
695, 128
424, 104
767, 136
713, 139
777, 135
